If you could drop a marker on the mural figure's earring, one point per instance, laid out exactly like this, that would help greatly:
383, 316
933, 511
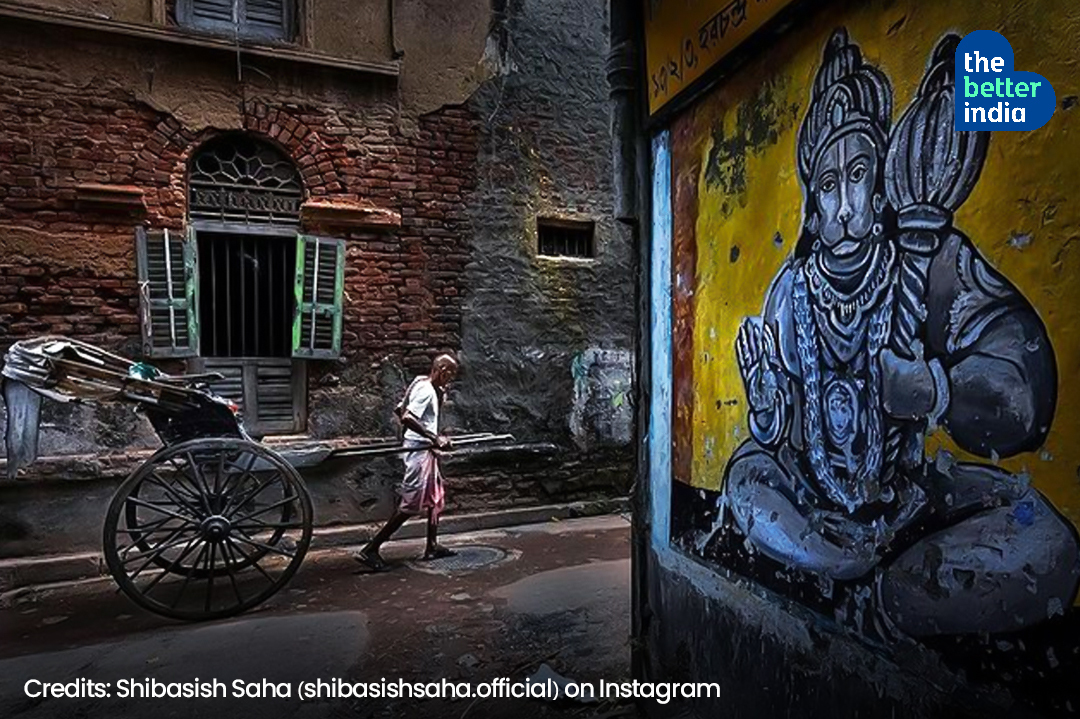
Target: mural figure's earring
817, 245
879, 205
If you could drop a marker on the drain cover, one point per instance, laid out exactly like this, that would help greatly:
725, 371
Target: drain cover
467, 559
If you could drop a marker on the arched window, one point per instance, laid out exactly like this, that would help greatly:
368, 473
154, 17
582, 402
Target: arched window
242, 292
238, 178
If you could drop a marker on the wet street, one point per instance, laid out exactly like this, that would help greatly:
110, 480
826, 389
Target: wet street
512, 600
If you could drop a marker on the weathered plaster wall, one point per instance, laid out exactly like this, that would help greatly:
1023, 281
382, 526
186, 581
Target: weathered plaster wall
355, 30
444, 47
535, 328
135, 11
441, 48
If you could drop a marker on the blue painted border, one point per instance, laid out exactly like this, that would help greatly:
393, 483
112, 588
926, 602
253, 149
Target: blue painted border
660, 350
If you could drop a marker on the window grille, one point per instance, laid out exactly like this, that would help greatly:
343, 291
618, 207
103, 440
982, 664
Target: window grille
237, 179
564, 238
246, 295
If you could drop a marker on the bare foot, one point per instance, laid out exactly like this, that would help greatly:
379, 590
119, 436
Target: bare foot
438, 552
371, 558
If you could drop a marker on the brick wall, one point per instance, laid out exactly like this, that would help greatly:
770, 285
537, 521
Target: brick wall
404, 289
38, 300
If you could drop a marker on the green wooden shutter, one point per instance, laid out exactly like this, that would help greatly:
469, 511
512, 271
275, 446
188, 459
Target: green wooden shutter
320, 283
168, 293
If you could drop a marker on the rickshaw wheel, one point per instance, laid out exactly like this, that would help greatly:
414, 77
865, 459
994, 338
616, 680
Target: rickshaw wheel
207, 528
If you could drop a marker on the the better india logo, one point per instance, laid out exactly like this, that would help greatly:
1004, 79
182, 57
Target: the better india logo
990, 94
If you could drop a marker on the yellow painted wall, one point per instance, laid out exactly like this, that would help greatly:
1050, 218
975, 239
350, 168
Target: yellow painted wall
1030, 186
683, 40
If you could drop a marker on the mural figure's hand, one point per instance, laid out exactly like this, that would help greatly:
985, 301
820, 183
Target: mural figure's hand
846, 533
757, 357
908, 384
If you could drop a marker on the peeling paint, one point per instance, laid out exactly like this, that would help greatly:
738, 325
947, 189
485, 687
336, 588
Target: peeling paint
1019, 240
757, 124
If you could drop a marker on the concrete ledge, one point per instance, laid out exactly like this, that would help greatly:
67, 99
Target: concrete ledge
326, 213
22, 575
117, 198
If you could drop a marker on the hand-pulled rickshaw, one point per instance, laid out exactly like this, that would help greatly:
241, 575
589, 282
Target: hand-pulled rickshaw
213, 523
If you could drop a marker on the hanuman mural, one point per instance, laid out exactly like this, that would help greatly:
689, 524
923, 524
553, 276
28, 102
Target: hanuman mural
884, 324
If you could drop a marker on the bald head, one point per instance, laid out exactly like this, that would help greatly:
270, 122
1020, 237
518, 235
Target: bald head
443, 370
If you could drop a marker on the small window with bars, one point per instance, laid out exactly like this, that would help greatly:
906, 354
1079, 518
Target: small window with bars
253, 19
565, 238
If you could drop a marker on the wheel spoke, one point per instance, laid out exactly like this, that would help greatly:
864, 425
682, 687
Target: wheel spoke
275, 505
158, 508
198, 492
210, 575
226, 549
247, 557
203, 485
180, 486
124, 551
155, 480
157, 553
187, 579
264, 546
259, 487
219, 473
173, 565
246, 472
150, 528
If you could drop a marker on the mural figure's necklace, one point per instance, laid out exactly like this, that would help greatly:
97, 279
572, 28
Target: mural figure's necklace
863, 481
848, 308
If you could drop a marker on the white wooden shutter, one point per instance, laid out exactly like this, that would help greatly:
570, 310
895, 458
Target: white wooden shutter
168, 293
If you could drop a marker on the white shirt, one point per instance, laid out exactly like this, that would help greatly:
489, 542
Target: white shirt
423, 404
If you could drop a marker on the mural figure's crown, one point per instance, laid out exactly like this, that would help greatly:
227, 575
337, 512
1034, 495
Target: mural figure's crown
849, 95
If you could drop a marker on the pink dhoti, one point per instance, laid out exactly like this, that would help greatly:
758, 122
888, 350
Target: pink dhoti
421, 490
